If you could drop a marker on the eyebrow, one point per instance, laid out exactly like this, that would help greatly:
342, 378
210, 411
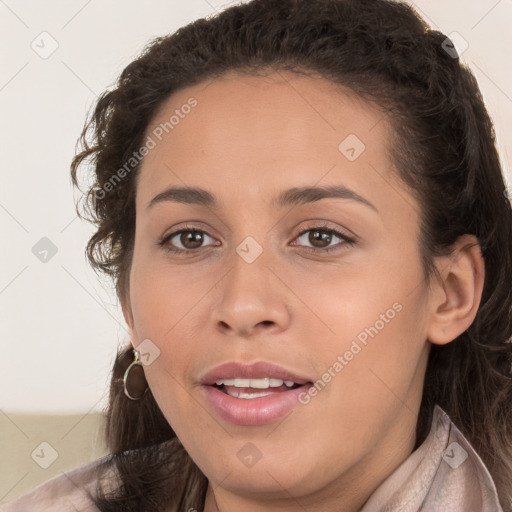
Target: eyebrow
291, 197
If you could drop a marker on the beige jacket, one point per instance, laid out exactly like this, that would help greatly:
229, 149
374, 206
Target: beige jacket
444, 474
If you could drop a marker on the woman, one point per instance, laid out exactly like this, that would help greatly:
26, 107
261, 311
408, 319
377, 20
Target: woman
303, 210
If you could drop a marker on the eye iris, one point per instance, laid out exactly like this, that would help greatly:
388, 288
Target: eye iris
194, 237
322, 236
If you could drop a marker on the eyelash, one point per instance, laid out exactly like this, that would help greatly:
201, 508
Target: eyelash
163, 243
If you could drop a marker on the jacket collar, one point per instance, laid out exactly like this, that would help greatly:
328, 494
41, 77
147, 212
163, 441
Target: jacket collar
444, 473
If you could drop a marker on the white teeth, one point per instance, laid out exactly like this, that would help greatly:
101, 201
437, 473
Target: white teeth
263, 383
240, 394
252, 383
226, 382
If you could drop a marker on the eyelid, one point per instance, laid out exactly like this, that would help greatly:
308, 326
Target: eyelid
327, 226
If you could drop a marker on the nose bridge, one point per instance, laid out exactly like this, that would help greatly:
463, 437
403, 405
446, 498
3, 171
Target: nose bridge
249, 273
251, 244
249, 297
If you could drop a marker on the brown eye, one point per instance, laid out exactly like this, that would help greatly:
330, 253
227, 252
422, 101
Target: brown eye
185, 240
191, 239
321, 239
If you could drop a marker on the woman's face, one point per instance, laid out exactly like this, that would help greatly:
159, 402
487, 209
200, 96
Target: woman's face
248, 287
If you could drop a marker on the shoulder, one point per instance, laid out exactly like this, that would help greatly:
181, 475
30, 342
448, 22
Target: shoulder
68, 492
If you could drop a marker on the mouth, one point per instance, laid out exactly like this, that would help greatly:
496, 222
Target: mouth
254, 388
254, 394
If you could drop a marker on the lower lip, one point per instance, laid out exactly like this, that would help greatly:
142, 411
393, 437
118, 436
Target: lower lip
254, 411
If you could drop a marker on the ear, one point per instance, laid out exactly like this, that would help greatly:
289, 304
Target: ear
456, 293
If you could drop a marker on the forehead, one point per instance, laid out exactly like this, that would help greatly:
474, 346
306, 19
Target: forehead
249, 132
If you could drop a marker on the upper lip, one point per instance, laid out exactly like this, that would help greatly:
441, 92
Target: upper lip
260, 369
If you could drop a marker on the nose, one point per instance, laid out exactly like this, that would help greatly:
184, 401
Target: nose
251, 300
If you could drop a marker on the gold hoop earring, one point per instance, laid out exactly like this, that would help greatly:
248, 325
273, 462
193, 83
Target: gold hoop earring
134, 381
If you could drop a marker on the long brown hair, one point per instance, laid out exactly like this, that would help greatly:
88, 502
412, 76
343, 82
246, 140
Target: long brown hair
444, 149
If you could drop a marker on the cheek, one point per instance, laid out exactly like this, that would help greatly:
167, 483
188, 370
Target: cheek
383, 326
168, 310
342, 301
163, 299
369, 329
